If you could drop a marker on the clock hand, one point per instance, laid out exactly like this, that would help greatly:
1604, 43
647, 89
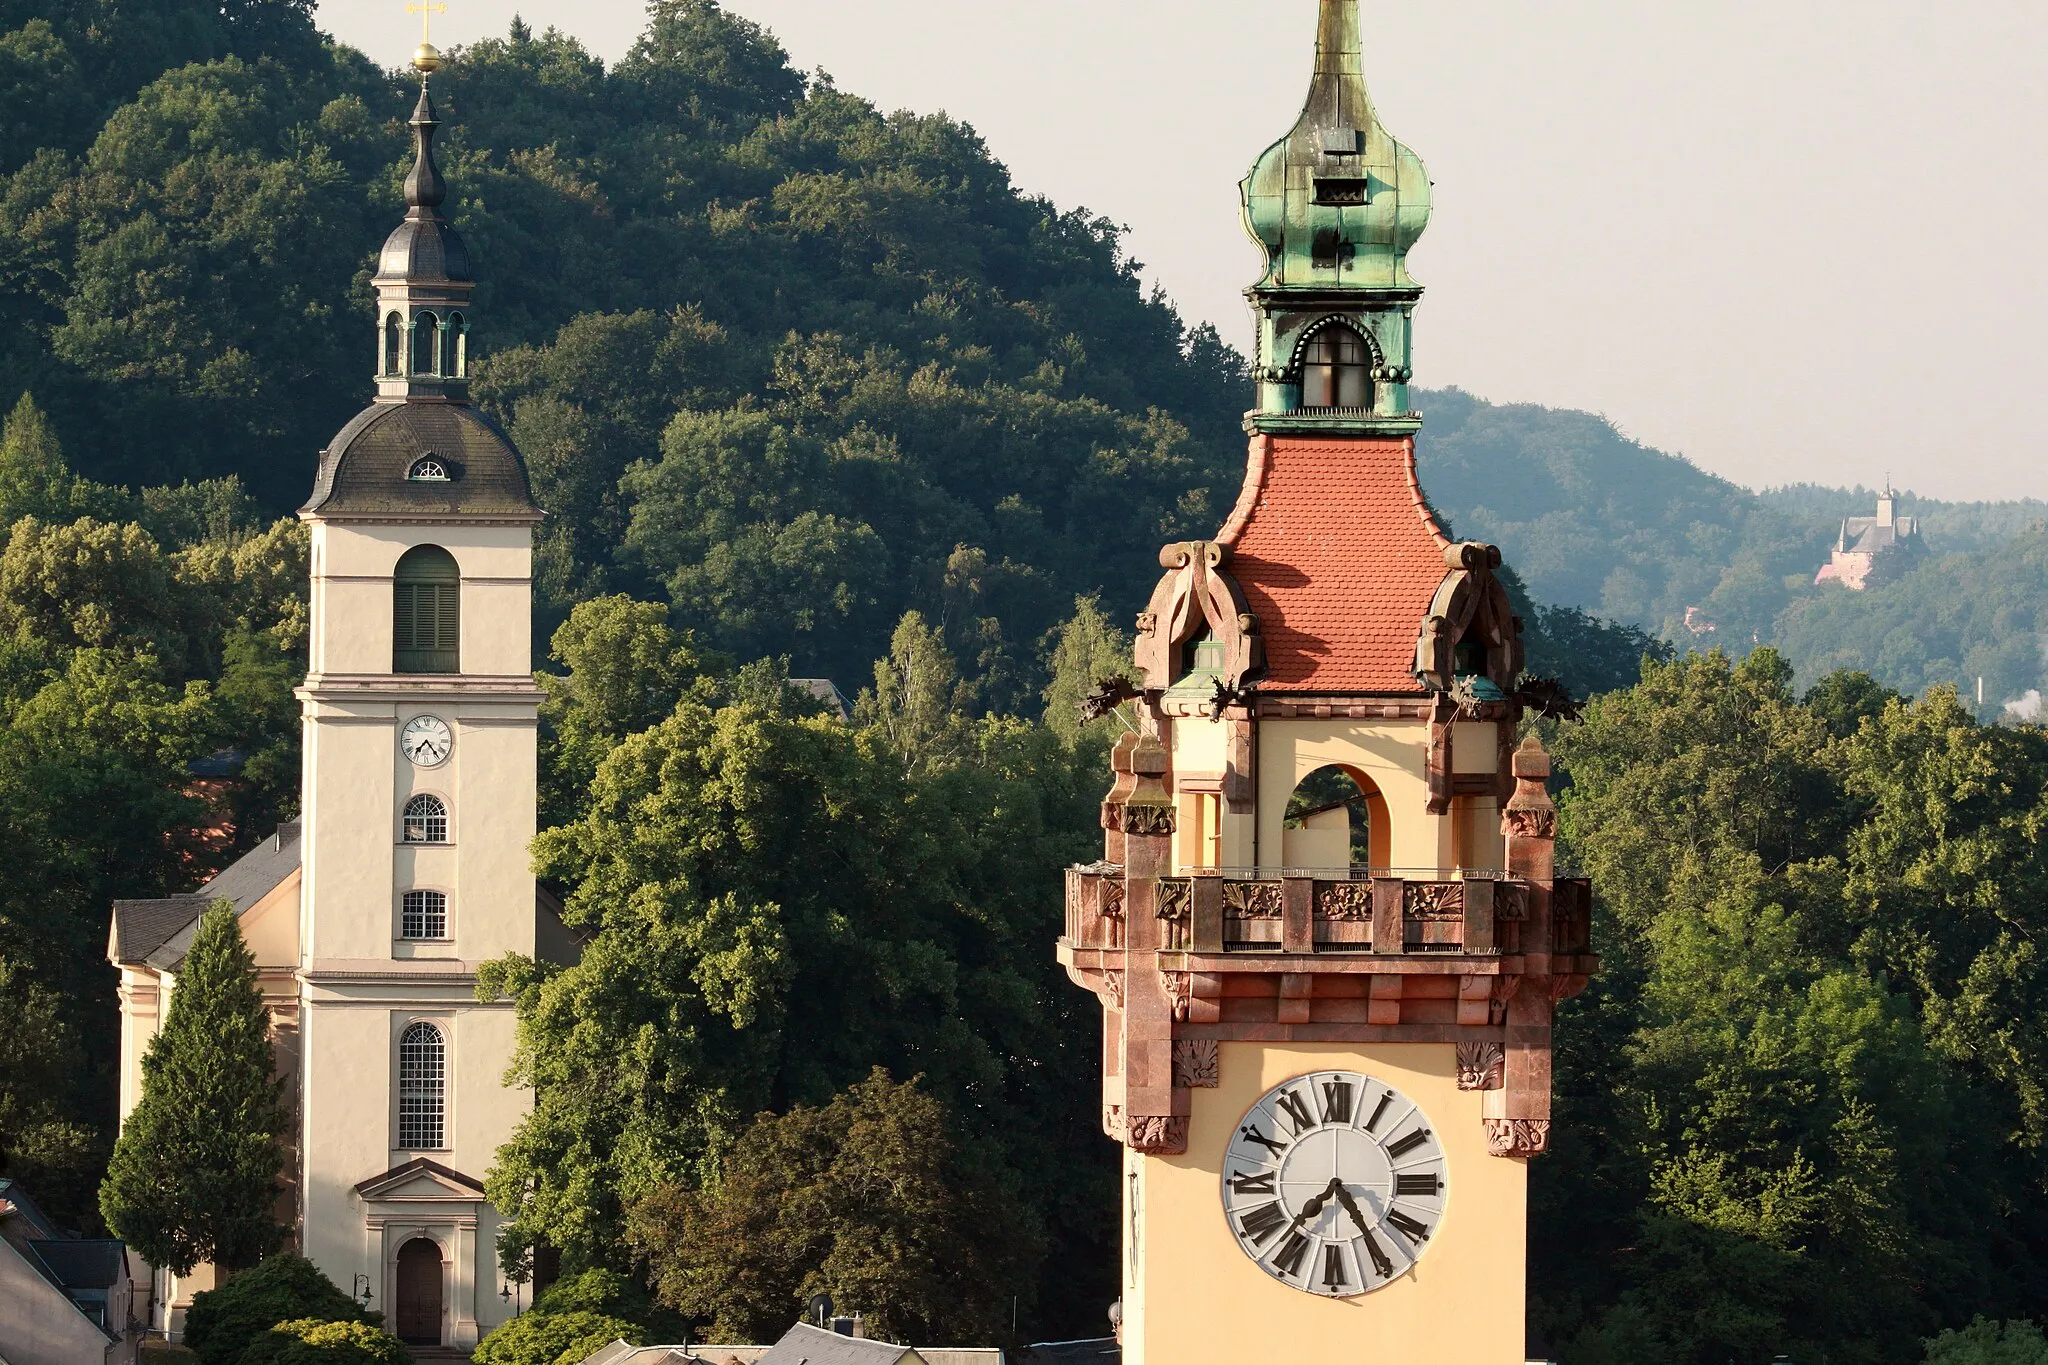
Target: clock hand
1315, 1206
1379, 1257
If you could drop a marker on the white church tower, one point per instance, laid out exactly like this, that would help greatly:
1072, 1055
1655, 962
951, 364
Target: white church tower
419, 802
410, 865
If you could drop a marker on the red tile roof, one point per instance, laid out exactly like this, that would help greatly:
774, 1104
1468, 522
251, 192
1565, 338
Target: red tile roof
1338, 558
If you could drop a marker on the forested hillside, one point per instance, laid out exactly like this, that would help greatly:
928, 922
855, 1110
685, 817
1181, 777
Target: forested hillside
1596, 521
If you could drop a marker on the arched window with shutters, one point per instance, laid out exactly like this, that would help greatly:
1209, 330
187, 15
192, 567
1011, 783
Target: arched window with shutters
426, 343
1336, 370
394, 343
426, 622
422, 1088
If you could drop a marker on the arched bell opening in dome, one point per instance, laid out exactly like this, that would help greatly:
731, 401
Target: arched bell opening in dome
394, 343
1336, 821
426, 343
455, 347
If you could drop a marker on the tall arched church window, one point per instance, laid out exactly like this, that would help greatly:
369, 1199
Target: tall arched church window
455, 347
426, 820
426, 343
422, 1082
394, 343
1336, 370
426, 623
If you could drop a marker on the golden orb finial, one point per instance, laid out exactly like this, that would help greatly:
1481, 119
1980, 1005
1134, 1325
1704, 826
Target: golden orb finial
426, 59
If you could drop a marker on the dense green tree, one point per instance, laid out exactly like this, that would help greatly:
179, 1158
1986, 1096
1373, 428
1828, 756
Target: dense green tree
195, 1173
870, 1198
576, 1316
229, 1319
722, 976
1798, 1110
1087, 652
41, 1142
1985, 1342
918, 702
312, 1341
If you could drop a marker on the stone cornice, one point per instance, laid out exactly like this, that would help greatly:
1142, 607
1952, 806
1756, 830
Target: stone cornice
348, 687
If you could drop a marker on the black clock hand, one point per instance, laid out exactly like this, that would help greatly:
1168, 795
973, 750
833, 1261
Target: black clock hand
1379, 1257
1315, 1205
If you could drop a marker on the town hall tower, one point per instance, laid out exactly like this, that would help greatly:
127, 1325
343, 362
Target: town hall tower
1326, 930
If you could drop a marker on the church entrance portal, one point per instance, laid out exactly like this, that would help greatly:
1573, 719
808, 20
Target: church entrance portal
418, 1297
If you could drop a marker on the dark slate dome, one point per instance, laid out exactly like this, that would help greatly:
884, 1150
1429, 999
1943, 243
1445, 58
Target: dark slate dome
421, 460
424, 249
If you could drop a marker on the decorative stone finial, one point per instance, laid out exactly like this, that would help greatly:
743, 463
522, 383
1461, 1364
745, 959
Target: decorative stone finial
1532, 759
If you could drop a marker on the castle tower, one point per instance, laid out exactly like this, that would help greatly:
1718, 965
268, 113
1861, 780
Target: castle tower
1326, 932
419, 802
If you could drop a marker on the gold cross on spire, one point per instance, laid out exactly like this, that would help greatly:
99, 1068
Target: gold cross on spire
426, 12
427, 58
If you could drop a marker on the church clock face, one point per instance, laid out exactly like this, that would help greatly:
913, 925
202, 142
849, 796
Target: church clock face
427, 741
1334, 1183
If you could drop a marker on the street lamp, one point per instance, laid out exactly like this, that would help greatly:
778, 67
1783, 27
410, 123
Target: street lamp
363, 1295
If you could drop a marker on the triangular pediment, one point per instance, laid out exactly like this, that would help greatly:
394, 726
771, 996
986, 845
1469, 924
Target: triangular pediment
421, 1180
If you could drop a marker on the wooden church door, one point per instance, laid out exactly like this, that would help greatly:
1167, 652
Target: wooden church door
418, 1300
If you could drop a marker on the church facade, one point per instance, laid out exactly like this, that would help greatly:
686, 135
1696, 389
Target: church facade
1326, 932
409, 867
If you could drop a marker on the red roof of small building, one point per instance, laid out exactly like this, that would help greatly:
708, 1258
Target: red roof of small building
1338, 558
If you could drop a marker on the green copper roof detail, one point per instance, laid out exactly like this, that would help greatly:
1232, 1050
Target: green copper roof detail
1337, 202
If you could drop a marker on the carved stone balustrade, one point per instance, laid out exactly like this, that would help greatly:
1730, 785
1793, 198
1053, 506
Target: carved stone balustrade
1439, 950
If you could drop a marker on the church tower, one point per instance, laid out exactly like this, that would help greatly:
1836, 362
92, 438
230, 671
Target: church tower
419, 802
1326, 931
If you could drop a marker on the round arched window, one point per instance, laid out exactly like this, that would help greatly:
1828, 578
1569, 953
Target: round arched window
428, 469
426, 820
1336, 370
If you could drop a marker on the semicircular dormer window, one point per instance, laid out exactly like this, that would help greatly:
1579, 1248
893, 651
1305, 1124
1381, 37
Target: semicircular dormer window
428, 469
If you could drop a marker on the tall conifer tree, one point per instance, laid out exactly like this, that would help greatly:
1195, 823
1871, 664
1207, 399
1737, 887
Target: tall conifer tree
194, 1174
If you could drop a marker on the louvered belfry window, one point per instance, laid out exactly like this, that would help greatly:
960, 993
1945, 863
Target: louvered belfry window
426, 624
422, 1078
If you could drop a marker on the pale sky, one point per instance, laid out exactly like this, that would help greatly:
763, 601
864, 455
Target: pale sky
1789, 239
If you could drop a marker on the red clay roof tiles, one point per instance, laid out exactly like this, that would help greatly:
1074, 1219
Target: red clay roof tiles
1338, 557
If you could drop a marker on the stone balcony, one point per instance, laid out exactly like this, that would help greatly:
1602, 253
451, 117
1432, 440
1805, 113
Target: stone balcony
1383, 911
1425, 948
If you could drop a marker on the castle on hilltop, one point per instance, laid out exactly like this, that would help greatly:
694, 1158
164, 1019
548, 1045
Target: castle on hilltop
1870, 549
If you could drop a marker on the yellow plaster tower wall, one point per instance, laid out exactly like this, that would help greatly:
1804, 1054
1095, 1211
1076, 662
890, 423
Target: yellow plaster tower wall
1191, 1295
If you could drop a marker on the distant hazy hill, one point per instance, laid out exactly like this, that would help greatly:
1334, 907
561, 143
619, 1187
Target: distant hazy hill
1595, 520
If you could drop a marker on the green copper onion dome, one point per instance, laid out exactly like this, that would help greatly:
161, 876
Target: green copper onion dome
1337, 201
1336, 204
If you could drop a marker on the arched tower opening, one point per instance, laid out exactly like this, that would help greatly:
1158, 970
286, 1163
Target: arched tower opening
1336, 821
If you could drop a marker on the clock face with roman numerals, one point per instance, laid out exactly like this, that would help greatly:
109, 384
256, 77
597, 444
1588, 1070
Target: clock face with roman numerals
1334, 1183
